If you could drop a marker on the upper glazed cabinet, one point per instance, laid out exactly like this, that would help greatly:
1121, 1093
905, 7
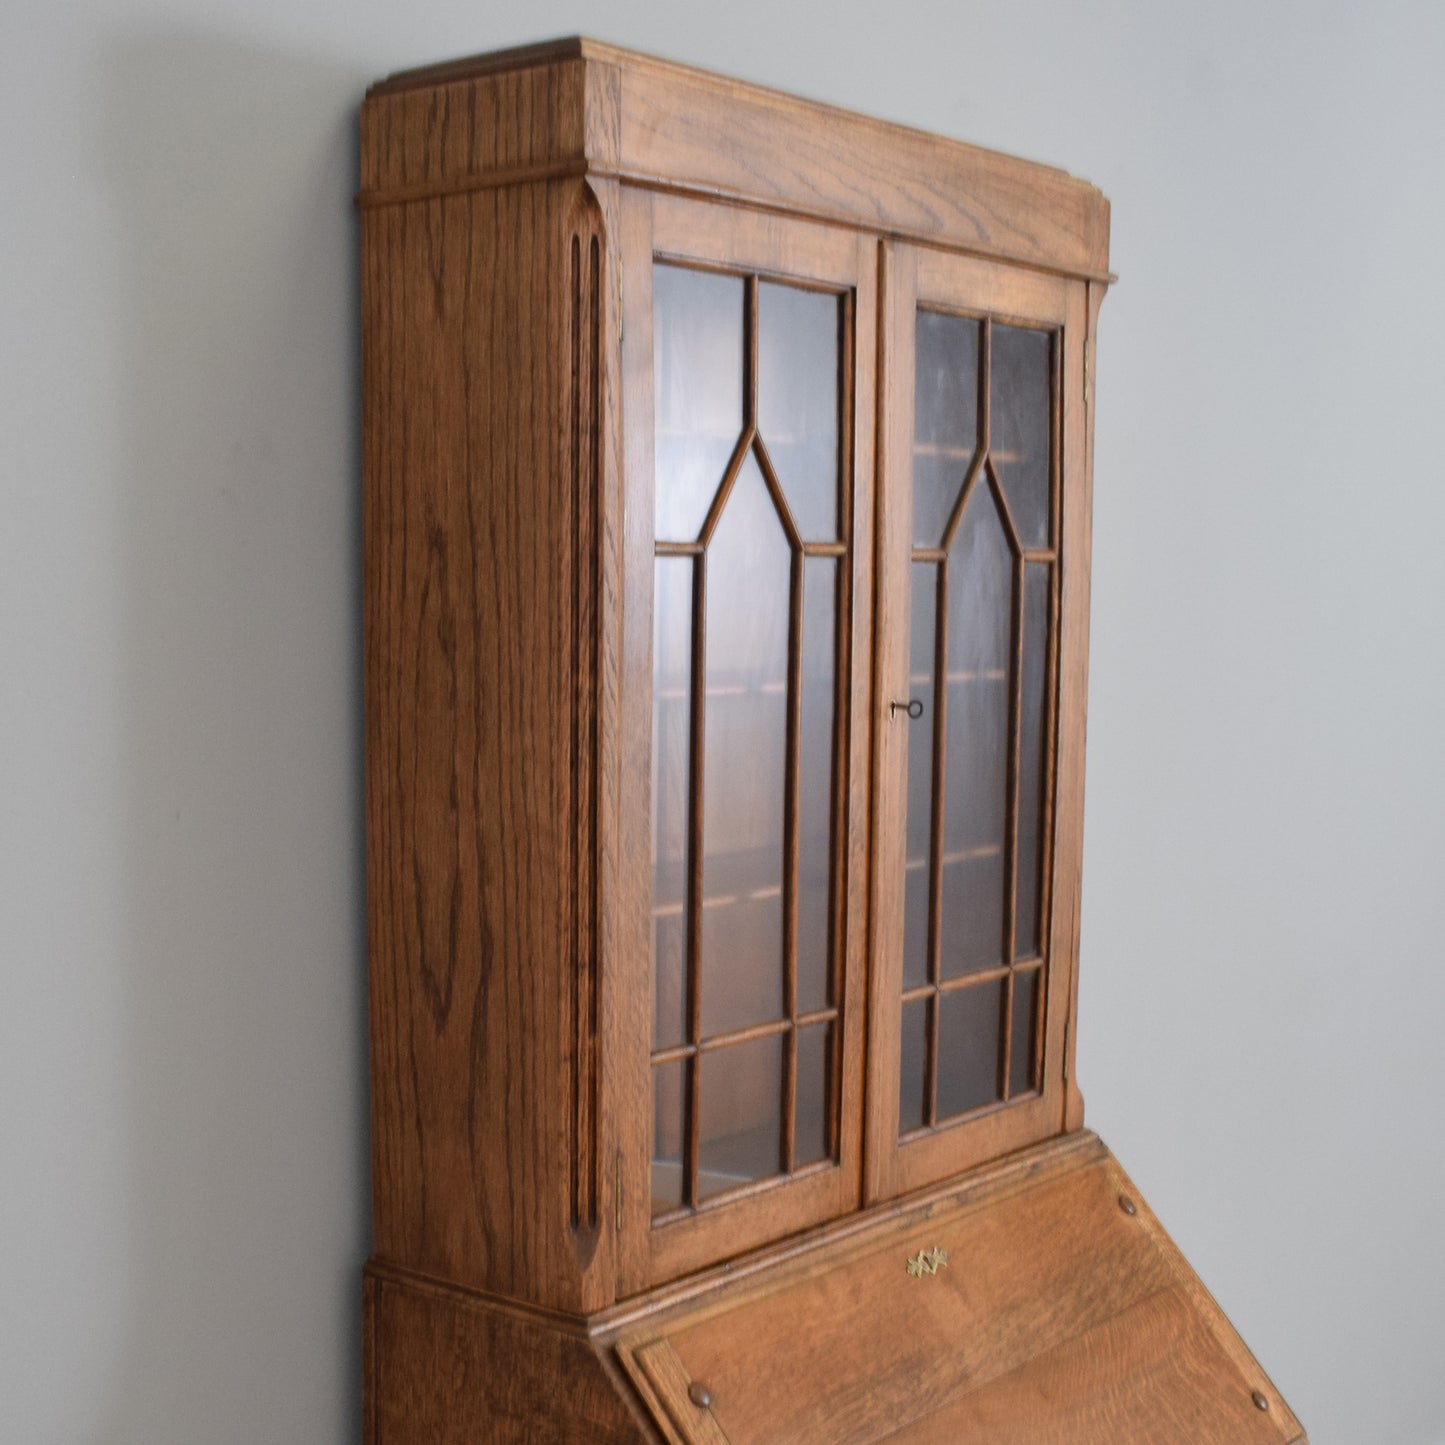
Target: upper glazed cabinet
852, 675
727, 551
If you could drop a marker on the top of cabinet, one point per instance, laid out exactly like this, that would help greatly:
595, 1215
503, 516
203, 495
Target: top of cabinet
580, 107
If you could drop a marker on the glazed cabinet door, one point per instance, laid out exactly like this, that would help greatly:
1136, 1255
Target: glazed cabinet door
974, 898
748, 357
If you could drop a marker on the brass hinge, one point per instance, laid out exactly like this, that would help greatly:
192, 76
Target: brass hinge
1068, 1030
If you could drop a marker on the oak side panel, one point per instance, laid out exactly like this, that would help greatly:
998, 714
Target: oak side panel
482, 344
450, 1371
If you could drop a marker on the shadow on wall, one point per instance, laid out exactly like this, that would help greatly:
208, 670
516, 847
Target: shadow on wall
244, 1221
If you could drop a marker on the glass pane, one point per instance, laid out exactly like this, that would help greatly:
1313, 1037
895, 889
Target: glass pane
741, 1132
973, 893
798, 400
937, 481
671, 674
912, 1052
920, 775
749, 581
970, 1026
697, 360
669, 942
810, 1127
815, 780
1032, 752
669, 1109
945, 418
915, 920
1019, 409
980, 612
1023, 1074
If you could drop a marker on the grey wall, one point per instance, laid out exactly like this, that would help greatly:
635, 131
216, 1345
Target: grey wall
182, 1138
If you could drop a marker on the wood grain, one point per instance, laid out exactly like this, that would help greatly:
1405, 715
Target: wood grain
584, 428
580, 104
657, 1369
481, 676
453, 1371
835, 165
427, 141
881, 1347
824, 1245
1057, 1317
1153, 1372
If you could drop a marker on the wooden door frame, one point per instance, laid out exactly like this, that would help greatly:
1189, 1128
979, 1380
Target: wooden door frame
914, 276
658, 225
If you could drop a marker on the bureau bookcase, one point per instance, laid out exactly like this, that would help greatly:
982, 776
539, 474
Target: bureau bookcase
727, 498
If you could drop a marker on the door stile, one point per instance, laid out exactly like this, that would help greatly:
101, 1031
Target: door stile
1072, 677
898, 288
629, 1052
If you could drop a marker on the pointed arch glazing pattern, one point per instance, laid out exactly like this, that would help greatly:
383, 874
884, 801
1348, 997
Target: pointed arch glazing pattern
751, 538
984, 597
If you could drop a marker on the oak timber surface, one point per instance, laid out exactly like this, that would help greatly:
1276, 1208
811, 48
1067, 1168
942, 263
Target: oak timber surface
581, 106
443, 1370
1049, 1313
480, 670
1154, 1372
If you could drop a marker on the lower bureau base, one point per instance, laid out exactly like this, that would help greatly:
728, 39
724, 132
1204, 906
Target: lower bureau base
1036, 1301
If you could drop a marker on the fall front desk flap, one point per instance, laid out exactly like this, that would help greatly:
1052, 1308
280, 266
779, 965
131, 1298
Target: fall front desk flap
1055, 1311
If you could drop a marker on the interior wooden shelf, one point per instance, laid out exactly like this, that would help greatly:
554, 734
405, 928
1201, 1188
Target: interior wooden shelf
959, 855
967, 454
721, 868
925, 679
720, 900
734, 435
765, 689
